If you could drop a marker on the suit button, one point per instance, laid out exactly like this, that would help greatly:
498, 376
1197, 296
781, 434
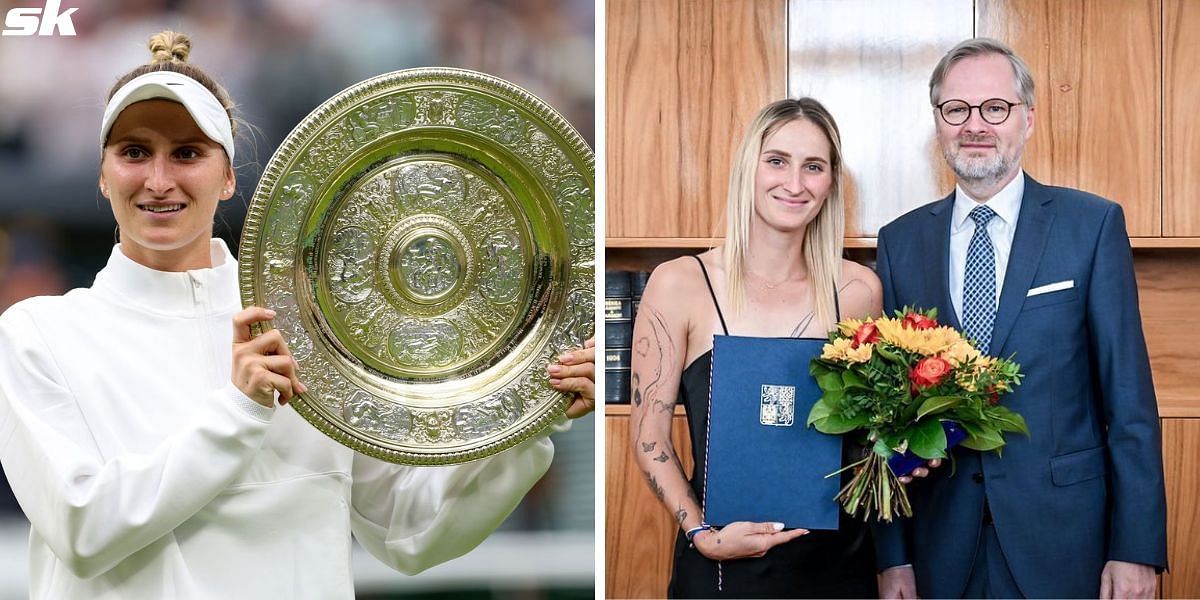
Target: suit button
977, 477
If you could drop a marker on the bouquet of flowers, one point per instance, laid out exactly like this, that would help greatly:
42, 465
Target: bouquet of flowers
900, 383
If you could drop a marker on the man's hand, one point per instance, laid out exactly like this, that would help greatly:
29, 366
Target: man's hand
1127, 580
921, 472
898, 582
576, 375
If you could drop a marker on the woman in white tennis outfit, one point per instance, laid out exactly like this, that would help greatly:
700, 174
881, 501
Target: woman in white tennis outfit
150, 463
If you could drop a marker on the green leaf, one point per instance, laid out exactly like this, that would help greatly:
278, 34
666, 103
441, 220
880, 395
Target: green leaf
836, 424
989, 439
967, 425
1007, 419
888, 355
928, 439
938, 404
850, 379
830, 381
821, 410
893, 441
818, 367
881, 448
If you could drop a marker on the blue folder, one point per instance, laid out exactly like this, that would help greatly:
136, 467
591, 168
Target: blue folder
763, 463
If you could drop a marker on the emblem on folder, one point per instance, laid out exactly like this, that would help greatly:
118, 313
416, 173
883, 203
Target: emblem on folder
778, 405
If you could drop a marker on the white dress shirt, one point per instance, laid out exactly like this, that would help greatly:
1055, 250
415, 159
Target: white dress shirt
146, 474
1007, 206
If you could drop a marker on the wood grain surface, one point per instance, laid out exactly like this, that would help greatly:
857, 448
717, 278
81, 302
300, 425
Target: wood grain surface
1181, 446
1097, 71
639, 534
683, 79
1181, 119
1169, 289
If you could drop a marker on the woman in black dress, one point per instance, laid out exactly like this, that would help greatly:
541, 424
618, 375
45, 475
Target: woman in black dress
779, 273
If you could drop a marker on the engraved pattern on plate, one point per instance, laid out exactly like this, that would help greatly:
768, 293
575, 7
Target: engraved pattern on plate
421, 343
283, 226
376, 416
435, 426
350, 257
579, 318
435, 108
482, 418
502, 272
287, 320
425, 186
430, 266
484, 116
574, 199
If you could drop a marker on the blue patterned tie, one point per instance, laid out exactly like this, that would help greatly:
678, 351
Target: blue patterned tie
979, 281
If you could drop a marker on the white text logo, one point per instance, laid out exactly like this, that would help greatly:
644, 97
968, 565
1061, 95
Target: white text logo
35, 21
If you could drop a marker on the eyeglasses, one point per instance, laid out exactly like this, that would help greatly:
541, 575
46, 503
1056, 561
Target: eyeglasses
994, 111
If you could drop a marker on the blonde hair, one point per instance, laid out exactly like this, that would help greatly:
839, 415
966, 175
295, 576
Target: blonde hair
822, 238
169, 51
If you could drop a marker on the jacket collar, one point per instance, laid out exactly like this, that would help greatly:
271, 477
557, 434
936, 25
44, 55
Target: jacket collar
195, 293
938, 246
1029, 243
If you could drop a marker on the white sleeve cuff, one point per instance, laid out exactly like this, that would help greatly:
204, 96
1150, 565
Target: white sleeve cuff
248, 406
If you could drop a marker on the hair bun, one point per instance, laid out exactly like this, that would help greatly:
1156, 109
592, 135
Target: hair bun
169, 46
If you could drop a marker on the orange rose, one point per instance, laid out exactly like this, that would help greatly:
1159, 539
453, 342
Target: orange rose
866, 334
929, 372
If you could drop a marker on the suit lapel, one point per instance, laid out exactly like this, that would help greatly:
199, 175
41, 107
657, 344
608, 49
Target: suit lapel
1033, 228
938, 245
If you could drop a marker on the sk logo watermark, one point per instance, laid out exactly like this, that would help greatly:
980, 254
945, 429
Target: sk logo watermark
25, 21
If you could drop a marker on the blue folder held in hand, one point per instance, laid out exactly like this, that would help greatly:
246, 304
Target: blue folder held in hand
763, 463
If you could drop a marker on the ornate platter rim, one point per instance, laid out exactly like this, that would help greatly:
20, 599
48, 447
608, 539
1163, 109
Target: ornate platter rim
289, 152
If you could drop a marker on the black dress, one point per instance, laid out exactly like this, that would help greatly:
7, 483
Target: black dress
822, 564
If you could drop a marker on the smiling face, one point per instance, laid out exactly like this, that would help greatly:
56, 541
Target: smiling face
980, 153
164, 178
793, 177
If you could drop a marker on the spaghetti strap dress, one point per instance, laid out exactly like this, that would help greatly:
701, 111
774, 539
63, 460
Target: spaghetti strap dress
822, 564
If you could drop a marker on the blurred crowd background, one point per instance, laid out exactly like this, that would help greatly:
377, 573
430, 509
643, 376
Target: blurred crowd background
279, 59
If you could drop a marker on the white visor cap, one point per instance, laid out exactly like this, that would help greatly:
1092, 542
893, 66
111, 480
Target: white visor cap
204, 107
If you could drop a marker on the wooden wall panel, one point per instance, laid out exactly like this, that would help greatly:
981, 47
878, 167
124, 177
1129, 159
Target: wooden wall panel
1181, 121
683, 79
869, 63
639, 534
1181, 447
1098, 73
1169, 287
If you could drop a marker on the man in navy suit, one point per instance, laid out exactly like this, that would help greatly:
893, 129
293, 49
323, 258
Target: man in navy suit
1044, 274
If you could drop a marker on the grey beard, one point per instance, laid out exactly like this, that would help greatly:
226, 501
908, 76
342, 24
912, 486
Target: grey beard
976, 171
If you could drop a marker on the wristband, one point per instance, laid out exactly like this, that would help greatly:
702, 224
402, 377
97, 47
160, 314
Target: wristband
691, 533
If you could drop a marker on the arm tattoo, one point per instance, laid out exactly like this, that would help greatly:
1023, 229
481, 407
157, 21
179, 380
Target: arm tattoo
658, 490
666, 356
680, 515
648, 382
